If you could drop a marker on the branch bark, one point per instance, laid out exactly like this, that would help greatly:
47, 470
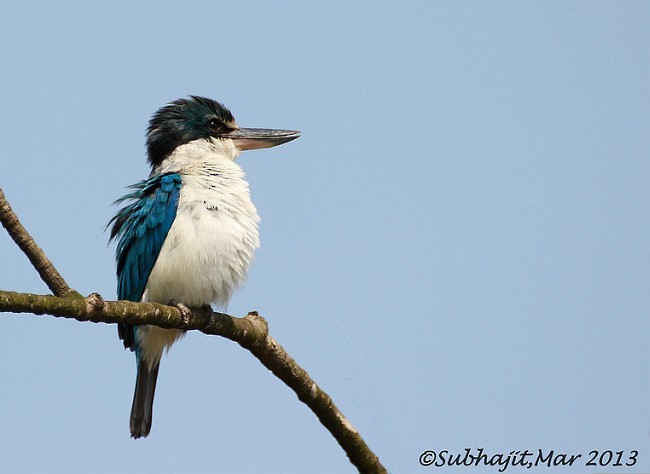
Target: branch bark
250, 332
36, 256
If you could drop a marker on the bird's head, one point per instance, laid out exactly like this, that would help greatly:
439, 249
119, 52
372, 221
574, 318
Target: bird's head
197, 118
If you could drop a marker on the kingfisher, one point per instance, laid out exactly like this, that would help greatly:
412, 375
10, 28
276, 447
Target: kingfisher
187, 234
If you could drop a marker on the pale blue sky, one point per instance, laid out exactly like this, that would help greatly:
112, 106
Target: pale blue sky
456, 249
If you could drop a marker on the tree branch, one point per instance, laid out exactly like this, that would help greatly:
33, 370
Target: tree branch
41, 263
250, 332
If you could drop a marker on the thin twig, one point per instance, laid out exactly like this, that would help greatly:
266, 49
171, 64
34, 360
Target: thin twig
34, 253
275, 358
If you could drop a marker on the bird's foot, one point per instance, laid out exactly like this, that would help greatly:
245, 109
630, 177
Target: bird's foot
186, 313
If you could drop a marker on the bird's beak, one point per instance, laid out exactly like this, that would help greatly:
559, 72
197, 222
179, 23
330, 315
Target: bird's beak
254, 138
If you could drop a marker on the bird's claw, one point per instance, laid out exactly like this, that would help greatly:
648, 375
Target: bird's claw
186, 313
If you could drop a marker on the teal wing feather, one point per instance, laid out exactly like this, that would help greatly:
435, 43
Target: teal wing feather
141, 228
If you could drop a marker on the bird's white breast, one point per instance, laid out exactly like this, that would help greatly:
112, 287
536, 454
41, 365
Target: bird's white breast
209, 248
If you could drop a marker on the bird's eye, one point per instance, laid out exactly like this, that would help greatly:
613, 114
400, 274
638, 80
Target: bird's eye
216, 125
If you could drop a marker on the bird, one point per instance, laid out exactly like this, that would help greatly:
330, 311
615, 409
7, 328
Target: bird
187, 234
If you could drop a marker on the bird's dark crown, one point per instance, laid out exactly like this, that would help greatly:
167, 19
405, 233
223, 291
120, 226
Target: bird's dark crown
183, 121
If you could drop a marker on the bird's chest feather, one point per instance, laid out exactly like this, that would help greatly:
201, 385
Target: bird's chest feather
210, 245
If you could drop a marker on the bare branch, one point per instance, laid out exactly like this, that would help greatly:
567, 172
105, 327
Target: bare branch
274, 357
41, 263
250, 332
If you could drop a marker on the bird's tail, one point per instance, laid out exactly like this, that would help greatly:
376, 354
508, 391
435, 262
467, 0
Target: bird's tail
142, 408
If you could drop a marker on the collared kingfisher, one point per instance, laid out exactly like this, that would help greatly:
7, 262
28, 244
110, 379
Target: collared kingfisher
188, 233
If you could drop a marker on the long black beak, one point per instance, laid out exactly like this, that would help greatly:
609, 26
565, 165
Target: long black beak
254, 138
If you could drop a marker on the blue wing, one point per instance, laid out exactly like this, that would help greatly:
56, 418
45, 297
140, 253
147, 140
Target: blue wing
141, 228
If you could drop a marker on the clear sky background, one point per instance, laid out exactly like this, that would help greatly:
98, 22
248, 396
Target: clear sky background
456, 249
